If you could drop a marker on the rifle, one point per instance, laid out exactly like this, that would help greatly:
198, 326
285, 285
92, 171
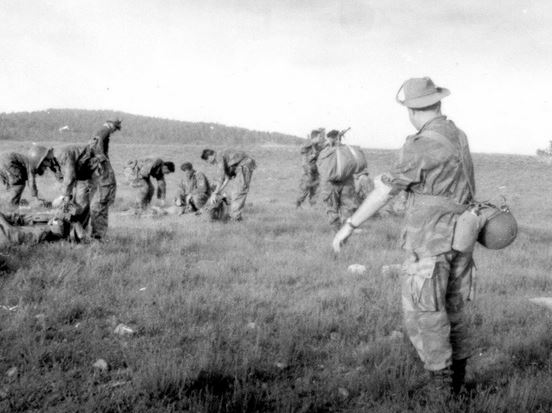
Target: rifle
343, 132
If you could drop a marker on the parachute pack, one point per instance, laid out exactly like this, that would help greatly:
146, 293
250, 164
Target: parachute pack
341, 162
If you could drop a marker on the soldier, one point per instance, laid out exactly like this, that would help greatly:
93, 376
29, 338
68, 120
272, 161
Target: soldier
16, 169
194, 190
104, 180
86, 182
139, 173
339, 196
17, 229
233, 166
310, 178
435, 169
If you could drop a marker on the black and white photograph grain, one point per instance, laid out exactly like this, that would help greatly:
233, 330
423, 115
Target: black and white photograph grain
288, 206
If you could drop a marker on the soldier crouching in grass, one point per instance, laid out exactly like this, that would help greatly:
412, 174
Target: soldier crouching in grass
139, 173
236, 166
194, 190
16, 169
435, 169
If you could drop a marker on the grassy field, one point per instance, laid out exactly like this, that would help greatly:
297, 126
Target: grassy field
260, 315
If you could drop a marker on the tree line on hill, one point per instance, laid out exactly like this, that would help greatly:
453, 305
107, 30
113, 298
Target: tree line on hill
73, 125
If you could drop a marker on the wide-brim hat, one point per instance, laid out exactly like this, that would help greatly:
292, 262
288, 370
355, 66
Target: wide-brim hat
421, 92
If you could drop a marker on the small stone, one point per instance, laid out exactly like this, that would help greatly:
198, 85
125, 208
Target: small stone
142, 289
396, 335
391, 270
280, 365
357, 269
542, 301
100, 364
11, 372
343, 392
123, 330
251, 325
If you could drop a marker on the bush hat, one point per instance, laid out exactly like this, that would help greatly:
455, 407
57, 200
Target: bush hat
421, 92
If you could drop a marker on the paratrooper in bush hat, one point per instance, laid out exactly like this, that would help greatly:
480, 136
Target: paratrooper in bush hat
436, 170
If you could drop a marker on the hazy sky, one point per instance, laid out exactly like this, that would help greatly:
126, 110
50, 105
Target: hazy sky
287, 65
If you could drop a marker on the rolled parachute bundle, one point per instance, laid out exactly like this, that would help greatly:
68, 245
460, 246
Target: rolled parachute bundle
341, 162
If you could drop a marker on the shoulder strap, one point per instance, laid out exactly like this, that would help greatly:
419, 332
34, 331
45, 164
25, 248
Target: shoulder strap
457, 149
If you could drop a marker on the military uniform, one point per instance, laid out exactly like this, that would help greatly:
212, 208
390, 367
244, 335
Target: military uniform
15, 171
86, 181
198, 189
436, 170
14, 230
139, 173
340, 197
17, 229
310, 180
104, 182
237, 166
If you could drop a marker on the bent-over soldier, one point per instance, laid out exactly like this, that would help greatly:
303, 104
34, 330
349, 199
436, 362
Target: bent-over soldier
436, 170
16, 169
86, 183
139, 173
233, 165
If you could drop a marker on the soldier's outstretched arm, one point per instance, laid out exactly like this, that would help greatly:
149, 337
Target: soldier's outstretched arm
377, 198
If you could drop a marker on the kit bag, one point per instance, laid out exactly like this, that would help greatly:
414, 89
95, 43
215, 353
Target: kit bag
341, 162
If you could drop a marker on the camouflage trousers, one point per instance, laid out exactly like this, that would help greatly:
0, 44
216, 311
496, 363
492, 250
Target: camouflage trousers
310, 180
238, 195
94, 197
340, 199
144, 192
433, 290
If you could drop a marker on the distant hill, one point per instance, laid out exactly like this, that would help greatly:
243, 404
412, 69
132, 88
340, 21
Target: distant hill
72, 125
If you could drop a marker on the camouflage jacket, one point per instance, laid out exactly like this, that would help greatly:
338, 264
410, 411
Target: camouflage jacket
197, 186
99, 143
228, 161
310, 151
77, 163
15, 169
436, 169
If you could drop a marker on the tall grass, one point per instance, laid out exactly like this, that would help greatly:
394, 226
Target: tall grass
260, 315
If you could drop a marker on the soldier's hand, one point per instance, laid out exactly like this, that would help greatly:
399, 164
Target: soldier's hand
341, 237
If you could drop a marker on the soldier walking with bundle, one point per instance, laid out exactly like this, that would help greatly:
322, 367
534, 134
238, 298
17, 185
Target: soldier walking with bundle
338, 192
139, 173
16, 169
310, 180
234, 166
436, 170
194, 189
